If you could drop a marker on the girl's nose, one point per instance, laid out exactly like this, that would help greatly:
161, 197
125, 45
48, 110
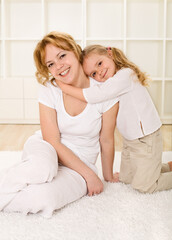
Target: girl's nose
100, 73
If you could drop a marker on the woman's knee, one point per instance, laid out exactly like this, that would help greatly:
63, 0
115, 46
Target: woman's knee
41, 155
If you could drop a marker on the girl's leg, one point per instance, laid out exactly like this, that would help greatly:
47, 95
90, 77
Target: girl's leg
125, 174
146, 157
66, 187
165, 168
39, 165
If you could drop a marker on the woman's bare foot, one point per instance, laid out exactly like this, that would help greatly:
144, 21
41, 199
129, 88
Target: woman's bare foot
170, 165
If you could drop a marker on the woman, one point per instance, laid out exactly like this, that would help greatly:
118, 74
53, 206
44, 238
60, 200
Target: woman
58, 166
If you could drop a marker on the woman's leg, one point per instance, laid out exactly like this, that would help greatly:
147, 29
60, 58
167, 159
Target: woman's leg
146, 164
66, 187
39, 165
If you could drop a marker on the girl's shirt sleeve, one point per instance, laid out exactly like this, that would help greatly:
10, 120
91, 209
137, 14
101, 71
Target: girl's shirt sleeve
115, 86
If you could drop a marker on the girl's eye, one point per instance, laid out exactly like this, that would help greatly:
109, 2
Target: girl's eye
50, 65
62, 56
93, 74
100, 63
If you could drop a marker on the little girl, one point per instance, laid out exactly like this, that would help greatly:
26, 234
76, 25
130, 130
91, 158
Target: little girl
137, 120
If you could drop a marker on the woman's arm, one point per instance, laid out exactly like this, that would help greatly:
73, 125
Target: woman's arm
107, 142
113, 87
51, 134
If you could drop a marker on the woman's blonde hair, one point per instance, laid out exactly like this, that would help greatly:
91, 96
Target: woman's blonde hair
60, 40
119, 59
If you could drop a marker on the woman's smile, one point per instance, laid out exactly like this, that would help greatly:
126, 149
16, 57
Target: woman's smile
65, 72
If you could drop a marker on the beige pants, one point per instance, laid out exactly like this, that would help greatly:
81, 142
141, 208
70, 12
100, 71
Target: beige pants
141, 164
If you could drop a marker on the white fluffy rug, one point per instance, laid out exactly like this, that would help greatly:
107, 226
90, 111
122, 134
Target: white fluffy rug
119, 213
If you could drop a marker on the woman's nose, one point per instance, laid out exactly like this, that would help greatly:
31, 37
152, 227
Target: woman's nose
58, 65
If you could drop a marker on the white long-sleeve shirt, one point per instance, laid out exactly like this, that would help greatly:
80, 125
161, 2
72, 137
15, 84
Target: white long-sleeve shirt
137, 116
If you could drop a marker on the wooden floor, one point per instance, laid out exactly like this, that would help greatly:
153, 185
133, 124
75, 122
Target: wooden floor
13, 137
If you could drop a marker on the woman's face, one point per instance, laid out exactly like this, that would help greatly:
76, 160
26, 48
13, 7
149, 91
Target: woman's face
62, 64
99, 67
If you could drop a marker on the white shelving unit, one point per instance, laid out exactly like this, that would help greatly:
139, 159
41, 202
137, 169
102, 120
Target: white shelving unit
141, 28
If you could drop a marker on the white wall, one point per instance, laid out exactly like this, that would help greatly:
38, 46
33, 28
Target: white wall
141, 28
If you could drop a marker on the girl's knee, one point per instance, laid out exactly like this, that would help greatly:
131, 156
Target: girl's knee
144, 188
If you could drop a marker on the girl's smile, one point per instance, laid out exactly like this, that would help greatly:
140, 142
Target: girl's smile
99, 67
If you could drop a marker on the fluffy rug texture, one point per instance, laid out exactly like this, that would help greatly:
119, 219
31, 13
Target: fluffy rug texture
119, 213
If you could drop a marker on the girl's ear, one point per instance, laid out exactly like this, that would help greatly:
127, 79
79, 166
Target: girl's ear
109, 51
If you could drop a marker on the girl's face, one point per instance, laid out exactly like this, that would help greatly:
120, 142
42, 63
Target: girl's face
62, 64
99, 67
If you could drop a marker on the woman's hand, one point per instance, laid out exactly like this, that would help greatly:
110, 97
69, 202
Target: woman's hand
94, 185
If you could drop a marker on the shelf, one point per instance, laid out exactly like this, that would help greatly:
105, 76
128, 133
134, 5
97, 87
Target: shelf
145, 18
0, 21
1, 60
101, 15
31, 110
169, 59
147, 55
54, 16
29, 15
141, 28
11, 109
107, 43
30, 88
155, 91
168, 99
169, 18
19, 58
11, 88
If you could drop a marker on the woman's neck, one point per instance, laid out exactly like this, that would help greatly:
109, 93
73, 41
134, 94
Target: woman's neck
82, 81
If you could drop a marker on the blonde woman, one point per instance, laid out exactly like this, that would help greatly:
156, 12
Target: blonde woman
58, 163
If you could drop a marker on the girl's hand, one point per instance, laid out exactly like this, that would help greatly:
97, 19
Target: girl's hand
115, 178
60, 84
94, 185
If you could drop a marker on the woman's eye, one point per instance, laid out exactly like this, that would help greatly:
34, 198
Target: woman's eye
62, 56
100, 63
50, 65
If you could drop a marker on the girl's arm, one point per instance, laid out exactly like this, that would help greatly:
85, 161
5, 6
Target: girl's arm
51, 134
107, 142
72, 91
115, 86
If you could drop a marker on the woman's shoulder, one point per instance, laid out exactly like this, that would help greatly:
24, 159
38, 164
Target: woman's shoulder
49, 94
50, 88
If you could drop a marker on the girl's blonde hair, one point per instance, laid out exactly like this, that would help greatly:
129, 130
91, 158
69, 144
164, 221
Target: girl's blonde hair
119, 59
60, 40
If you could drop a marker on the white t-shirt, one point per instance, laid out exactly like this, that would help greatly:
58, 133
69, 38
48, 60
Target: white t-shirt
79, 133
137, 115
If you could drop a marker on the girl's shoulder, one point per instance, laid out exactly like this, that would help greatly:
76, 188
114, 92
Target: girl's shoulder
103, 106
125, 71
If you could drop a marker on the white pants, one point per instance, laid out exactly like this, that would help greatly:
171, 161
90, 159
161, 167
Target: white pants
38, 183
